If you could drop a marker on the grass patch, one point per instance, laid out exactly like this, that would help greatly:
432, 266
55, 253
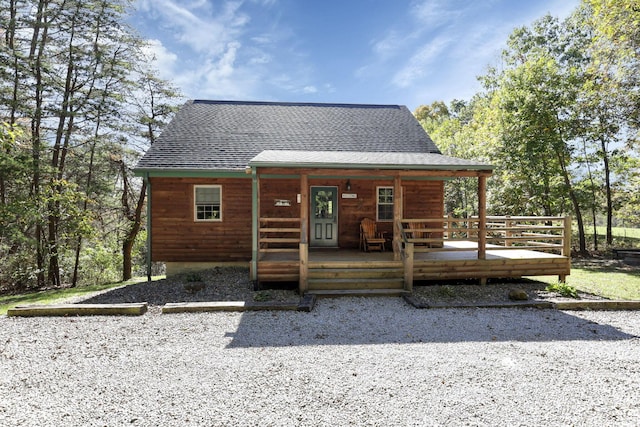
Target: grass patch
602, 279
623, 237
623, 232
55, 295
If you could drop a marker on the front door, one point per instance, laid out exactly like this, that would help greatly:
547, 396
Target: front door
324, 217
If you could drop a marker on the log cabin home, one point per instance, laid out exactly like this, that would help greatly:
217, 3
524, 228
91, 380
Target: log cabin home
284, 188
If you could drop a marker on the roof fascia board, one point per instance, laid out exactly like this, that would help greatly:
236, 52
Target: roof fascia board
190, 173
320, 165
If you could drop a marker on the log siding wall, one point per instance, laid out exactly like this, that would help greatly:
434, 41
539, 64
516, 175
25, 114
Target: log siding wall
176, 237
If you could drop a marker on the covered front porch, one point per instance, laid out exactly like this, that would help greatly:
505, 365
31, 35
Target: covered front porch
519, 247
300, 198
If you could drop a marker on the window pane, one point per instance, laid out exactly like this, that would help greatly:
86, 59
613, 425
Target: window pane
208, 212
385, 212
385, 203
207, 195
207, 203
385, 195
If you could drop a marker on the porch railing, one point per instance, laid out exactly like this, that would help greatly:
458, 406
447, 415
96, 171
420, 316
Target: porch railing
285, 235
538, 233
278, 235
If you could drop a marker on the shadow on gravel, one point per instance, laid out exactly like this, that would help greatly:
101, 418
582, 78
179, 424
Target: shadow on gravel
370, 321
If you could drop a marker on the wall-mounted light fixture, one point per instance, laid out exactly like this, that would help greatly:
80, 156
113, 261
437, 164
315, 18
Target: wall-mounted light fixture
348, 185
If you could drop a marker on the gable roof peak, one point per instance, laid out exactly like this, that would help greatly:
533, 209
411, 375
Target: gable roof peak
293, 104
226, 135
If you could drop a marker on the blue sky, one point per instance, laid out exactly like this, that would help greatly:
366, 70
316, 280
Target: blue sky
407, 52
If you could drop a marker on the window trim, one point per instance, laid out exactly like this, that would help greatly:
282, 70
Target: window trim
195, 205
378, 204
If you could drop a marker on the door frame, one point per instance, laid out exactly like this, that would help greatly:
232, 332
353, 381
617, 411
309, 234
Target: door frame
312, 216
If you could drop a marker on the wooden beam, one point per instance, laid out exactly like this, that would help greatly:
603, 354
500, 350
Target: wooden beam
303, 283
125, 309
255, 214
566, 250
408, 268
397, 216
149, 225
482, 214
342, 173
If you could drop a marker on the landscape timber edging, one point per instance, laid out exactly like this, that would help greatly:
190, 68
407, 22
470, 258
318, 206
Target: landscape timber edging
125, 309
305, 304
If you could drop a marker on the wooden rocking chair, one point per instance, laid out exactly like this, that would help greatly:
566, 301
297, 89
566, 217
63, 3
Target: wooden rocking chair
370, 239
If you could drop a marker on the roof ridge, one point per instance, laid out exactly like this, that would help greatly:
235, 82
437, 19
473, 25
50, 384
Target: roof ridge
294, 104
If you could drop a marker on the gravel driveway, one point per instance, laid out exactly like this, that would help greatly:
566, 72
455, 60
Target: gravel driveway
352, 361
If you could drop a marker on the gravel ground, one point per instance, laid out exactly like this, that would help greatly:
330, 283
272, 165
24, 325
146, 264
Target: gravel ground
351, 361
219, 284
232, 284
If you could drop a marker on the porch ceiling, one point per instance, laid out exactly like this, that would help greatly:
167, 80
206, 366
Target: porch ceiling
364, 160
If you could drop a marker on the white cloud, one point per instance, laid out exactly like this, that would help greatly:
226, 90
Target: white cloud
163, 59
200, 27
329, 88
388, 46
434, 13
309, 89
420, 63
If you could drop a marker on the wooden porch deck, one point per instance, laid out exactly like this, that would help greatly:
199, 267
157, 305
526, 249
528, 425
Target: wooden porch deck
354, 269
424, 249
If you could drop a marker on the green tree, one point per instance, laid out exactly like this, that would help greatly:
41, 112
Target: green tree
67, 70
153, 104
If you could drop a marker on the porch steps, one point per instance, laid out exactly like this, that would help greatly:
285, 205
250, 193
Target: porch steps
343, 278
355, 284
334, 293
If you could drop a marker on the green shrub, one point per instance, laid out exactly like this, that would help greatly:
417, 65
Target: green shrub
562, 289
262, 296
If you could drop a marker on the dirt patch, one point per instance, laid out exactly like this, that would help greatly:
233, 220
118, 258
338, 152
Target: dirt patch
218, 284
461, 292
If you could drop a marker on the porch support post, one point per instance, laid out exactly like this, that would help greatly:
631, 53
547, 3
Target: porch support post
482, 224
397, 216
255, 214
304, 242
566, 238
408, 267
148, 256
566, 245
482, 216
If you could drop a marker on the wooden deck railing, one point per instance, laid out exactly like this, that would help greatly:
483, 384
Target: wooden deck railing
501, 232
279, 235
547, 234
537, 233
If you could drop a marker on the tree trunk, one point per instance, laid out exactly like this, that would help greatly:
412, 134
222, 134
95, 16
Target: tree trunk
607, 183
132, 233
35, 54
582, 241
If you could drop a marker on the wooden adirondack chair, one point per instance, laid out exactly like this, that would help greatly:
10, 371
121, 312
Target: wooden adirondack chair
370, 239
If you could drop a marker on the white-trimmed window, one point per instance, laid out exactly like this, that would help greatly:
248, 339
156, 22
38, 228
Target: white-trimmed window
384, 205
208, 202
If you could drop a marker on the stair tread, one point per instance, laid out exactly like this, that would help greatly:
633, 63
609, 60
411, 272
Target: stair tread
355, 279
358, 292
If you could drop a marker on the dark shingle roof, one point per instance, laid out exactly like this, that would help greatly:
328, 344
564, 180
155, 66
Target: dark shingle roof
226, 135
